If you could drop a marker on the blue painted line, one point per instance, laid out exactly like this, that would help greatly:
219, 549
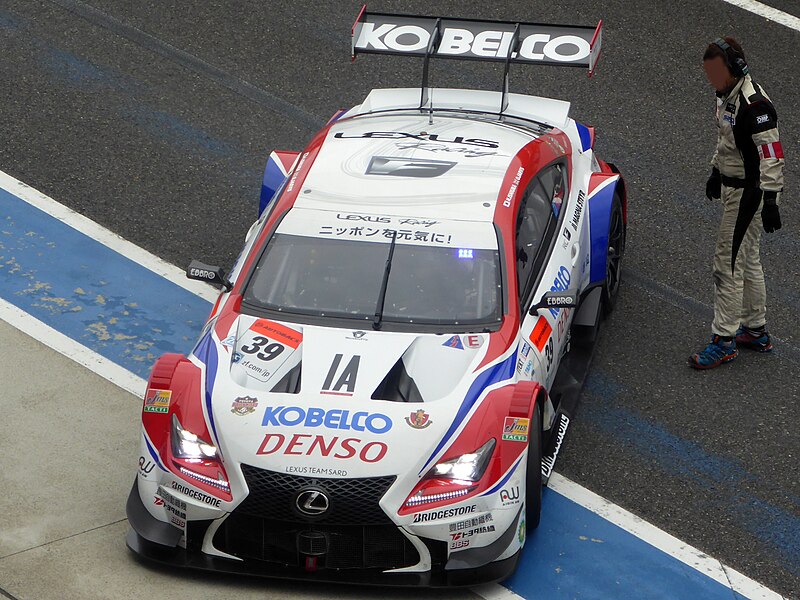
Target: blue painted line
130, 315
576, 554
727, 482
91, 293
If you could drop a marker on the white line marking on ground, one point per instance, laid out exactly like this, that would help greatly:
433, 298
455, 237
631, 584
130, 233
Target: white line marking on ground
132, 383
99, 233
772, 14
662, 540
495, 591
65, 345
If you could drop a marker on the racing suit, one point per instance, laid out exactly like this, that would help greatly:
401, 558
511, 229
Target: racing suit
749, 158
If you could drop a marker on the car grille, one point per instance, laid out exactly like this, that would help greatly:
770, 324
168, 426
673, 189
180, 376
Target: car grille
333, 546
352, 501
353, 533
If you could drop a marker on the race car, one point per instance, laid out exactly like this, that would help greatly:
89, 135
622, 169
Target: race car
385, 381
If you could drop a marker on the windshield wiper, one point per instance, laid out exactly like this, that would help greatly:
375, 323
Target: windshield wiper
376, 324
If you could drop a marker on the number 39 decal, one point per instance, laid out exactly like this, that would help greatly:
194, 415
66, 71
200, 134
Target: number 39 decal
548, 353
270, 349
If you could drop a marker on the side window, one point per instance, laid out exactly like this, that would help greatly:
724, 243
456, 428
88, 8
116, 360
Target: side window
537, 217
555, 183
534, 213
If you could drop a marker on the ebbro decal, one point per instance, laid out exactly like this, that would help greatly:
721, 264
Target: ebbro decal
157, 401
515, 429
290, 416
560, 284
419, 419
444, 513
244, 406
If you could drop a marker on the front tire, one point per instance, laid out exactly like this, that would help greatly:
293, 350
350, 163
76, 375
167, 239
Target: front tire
533, 472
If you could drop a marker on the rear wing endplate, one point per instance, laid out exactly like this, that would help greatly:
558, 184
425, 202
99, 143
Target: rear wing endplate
530, 43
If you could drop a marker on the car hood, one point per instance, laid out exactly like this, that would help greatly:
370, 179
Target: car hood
334, 402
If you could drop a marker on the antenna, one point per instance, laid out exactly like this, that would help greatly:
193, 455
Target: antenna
513, 48
433, 46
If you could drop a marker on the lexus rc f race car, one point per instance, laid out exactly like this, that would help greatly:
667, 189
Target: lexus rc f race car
383, 386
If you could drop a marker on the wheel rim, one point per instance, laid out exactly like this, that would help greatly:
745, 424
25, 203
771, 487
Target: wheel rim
616, 241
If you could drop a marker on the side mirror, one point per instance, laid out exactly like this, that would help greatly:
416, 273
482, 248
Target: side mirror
203, 272
567, 299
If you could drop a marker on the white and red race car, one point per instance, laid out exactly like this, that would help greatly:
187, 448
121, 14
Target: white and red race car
385, 381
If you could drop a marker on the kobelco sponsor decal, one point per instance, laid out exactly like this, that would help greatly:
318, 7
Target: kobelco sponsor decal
560, 284
548, 462
458, 41
292, 416
445, 513
196, 494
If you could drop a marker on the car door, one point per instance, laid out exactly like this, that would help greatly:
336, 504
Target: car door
543, 264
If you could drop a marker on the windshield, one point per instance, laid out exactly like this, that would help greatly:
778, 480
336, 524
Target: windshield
342, 278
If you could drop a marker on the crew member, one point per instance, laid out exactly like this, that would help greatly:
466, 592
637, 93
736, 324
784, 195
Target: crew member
747, 173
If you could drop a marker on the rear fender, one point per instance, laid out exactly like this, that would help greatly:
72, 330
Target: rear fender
601, 196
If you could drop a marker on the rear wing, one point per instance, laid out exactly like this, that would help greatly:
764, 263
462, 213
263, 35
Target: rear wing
530, 43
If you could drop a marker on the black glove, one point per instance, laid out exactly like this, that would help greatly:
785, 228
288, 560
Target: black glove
770, 216
714, 185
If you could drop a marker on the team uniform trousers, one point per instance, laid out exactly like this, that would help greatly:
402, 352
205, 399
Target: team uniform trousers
740, 294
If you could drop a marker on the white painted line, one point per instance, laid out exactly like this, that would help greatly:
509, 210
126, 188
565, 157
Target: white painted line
65, 345
772, 14
99, 233
128, 381
662, 540
495, 591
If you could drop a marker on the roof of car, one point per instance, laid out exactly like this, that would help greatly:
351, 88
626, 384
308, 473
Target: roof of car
386, 156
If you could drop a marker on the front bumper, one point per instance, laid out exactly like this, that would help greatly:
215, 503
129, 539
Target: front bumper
157, 541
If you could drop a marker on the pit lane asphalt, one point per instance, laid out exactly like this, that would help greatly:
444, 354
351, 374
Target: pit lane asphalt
155, 121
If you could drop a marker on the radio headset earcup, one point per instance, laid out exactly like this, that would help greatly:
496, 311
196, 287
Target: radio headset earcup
735, 62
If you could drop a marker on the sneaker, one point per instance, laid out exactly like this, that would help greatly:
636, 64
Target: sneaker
716, 353
754, 339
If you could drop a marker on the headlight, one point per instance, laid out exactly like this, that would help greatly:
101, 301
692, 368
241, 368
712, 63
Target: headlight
451, 479
467, 467
188, 446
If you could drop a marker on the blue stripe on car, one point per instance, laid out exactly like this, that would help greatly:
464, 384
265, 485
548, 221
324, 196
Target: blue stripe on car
586, 137
153, 453
273, 178
599, 217
499, 372
206, 352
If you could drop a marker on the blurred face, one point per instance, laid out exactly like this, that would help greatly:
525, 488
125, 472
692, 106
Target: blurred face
718, 74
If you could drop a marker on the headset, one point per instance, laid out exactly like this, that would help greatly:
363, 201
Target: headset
735, 61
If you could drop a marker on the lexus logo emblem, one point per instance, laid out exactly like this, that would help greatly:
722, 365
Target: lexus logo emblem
312, 502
